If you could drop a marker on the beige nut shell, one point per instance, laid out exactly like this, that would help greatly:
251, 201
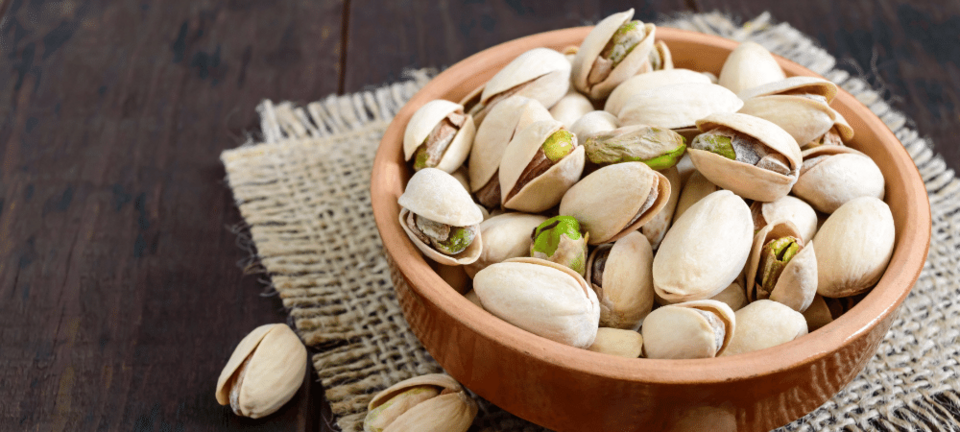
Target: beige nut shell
795, 85
792, 209
803, 118
844, 175
647, 81
452, 410
627, 293
467, 256
618, 342
748, 66
798, 282
677, 106
494, 134
854, 246
606, 200
593, 45
425, 120
439, 197
505, 236
593, 123
657, 227
678, 331
549, 68
547, 189
695, 189
764, 324
570, 108
733, 295
705, 250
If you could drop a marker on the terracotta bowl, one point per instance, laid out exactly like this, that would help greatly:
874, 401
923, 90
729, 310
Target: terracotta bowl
569, 389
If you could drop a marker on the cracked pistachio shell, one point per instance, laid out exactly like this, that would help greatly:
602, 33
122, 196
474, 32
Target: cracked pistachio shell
804, 119
764, 324
680, 331
705, 250
264, 371
618, 342
748, 66
788, 208
606, 201
677, 106
560, 239
434, 402
594, 44
506, 236
695, 188
657, 227
854, 246
818, 314
547, 189
593, 123
733, 295
846, 131
842, 175
647, 81
666, 57
796, 85
425, 120
437, 196
747, 180
626, 296
797, 284
541, 297
545, 72
570, 108
502, 122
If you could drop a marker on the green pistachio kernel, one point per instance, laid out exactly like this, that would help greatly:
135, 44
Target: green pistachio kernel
773, 259
658, 148
668, 159
458, 240
719, 144
546, 237
421, 158
558, 145
624, 40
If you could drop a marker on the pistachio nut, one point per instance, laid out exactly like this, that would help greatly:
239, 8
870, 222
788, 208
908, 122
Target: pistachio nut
504, 236
594, 123
713, 78
541, 162
810, 87
705, 250
616, 49
854, 246
818, 314
840, 133
638, 83
434, 402
570, 108
438, 135
620, 273
748, 66
264, 371
440, 218
677, 106
559, 239
658, 148
689, 330
657, 227
750, 156
787, 208
463, 176
694, 189
733, 295
541, 297
660, 57
502, 123
803, 118
474, 298
618, 342
541, 74
764, 324
831, 176
782, 267
616, 199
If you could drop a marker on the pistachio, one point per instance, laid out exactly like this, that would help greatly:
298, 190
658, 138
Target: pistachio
782, 267
657, 227
677, 106
559, 239
618, 342
803, 118
440, 218
773, 259
831, 176
541, 74
764, 324
656, 147
616, 49
439, 135
594, 123
787, 208
854, 246
690, 330
505, 236
434, 402
748, 66
264, 371
538, 166
647, 81
621, 276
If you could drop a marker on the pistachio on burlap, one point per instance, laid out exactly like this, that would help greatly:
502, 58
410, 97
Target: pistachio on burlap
505, 236
434, 402
695, 188
764, 324
620, 274
264, 371
593, 123
748, 66
678, 106
541, 162
657, 147
616, 49
647, 81
440, 218
541, 73
854, 246
788, 208
657, 227
571, 107
689, 330
618, 342
832, 175
782, 267
561, 240
439, 134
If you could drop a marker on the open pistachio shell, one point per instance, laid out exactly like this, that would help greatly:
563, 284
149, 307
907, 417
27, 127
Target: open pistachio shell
592, 48
502, 122
788, 208
545, 190
834, 175
846, 131
695, 329
733, 295
542, 297
748, 66
705, 250
467, 256
618, 342
647, 81
608, 202
797, 282
854, 246
427, 402
764, 324
625, 291
507, 236
541, 73
747, 180
661, 58
425, 120
795, 85
695, 188
593, 123
437, 196
657, 227
804, 119
677, 106
570, 108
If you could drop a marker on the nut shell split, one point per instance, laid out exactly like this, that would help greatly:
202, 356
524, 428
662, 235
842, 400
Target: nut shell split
422, 124
690, 330
593, 46
541, 74
833, 175
545, 190
797, 283
626, 289
438, 197
434, 402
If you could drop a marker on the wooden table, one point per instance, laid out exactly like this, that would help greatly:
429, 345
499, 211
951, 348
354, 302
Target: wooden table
120, 292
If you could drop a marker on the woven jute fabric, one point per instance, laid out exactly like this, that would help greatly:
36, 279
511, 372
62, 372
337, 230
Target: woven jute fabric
303, 193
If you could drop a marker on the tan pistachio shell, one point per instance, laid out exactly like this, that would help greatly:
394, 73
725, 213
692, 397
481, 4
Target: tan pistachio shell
791, 209
798, 282
547, 71
501, 124
593, 123
570, 108
705, 250
846, 131
608, 199
547, 189
439, 197
733, 295
678, 331
748, 66
657, 227
764, 324
666, 57
447, 407
793, 85
594, 44
854, 246
542, 297
818, 314
506, 236
469, 255
462, 175
627, 293
618, 342
694, 189
844, 175
804, 119
425, 120
474, 298
647, 81
677, 106
743, 179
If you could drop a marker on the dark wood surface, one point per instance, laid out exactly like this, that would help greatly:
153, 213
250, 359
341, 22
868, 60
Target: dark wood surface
120, 292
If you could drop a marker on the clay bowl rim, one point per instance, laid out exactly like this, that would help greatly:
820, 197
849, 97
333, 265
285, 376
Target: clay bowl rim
902, 272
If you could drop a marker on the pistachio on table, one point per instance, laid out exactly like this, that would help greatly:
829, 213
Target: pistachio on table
440, 218
560, 239
620, 273
689, 330
658, 148
616, 49
434, 402
439, 135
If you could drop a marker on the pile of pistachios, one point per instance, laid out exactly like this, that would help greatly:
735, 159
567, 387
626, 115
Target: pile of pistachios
677, 222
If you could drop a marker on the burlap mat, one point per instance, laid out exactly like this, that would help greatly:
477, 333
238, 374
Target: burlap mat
303, 194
